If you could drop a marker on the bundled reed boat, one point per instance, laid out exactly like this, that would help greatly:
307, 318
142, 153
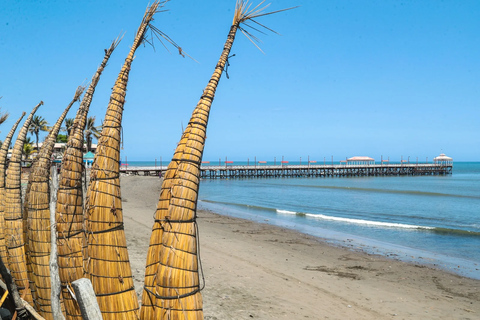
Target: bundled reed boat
14, 231
172, 283
37, 215
108, 265
3, 161
71, 240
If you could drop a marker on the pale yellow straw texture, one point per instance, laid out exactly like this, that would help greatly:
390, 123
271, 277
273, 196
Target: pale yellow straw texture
108, 265
14, 232
37, 215
69, 209
3, 160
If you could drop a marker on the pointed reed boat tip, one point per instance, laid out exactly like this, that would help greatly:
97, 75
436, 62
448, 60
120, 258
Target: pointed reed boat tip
117, 40
78, 93
85, 82
146, 20
243, 13
115, 43
160, 34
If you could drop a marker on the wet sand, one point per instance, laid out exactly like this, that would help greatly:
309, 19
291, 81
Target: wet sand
257, 271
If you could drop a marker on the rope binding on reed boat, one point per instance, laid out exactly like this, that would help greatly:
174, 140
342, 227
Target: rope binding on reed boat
227, 64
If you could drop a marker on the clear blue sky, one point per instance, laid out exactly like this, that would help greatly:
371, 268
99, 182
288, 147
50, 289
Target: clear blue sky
344, 78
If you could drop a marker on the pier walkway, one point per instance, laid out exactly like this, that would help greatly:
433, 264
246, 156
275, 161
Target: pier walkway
307, 170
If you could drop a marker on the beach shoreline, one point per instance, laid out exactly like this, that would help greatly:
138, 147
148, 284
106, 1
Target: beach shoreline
256, 270
456, 265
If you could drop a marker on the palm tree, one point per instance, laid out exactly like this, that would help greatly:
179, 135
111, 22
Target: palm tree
27, 148
68, 126
38, 124
3, 117
91, 130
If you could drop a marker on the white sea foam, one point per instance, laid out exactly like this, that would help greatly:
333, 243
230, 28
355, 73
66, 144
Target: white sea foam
286, 212
367, 222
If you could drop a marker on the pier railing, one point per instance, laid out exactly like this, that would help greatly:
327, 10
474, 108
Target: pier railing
307, 170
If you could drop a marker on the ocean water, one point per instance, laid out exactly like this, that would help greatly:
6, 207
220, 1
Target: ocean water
433, 220
430, 220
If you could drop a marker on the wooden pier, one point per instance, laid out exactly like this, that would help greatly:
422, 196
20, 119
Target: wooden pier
297, 171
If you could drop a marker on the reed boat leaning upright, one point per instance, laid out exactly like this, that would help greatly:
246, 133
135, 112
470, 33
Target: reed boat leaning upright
107, 264
37, 216
3, 162
14, 231
172, 280
71, 240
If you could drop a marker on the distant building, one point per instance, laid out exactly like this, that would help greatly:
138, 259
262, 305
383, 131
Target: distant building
442, 159
88, 159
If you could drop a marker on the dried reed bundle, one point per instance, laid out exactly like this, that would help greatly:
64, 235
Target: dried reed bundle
69, 208
38, 217
172, 284
3, 160
13, 215
108, 265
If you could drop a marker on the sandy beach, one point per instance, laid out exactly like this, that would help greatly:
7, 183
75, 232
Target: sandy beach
258, 271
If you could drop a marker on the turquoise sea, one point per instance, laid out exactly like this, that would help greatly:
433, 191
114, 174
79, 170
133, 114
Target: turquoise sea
429, 220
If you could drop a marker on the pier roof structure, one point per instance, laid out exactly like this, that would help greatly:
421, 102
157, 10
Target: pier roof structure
443, 159
360, 160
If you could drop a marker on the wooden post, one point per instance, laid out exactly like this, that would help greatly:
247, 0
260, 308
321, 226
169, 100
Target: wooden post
86, 299
54, 275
